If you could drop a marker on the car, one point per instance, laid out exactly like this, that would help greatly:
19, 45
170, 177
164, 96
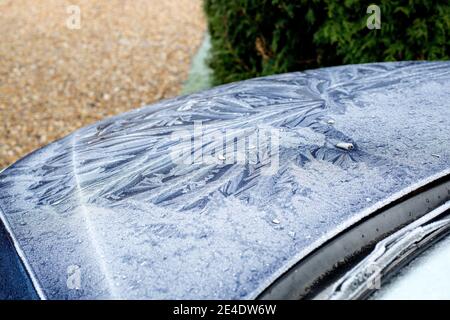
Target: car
321, 184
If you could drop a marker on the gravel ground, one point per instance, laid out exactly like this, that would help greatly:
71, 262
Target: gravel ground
56, 77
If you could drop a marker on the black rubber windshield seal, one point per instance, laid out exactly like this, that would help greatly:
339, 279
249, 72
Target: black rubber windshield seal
306, 274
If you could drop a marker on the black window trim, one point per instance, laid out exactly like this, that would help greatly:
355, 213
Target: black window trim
313, 269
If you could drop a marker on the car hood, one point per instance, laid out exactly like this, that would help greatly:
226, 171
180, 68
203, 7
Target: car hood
111, 205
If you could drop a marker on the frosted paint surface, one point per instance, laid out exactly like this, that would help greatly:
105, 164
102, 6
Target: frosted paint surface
109, 200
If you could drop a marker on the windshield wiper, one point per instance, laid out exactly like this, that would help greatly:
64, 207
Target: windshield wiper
389, 254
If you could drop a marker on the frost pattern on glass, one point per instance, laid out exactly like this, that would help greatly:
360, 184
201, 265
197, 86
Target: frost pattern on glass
110, 200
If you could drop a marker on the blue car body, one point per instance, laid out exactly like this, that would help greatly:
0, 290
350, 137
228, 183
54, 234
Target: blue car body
111, 202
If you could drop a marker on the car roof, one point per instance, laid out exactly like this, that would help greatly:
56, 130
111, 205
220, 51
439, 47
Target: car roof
113, 201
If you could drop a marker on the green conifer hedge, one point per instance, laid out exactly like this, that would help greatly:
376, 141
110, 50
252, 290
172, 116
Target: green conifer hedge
260, 37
